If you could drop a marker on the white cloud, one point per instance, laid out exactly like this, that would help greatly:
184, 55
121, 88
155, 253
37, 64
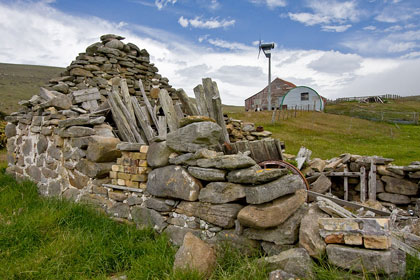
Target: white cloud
214, 5
398, 13
370, 28
228, 45
336, 28
35, 33
212, 23
270, 3
329, 13
162, 3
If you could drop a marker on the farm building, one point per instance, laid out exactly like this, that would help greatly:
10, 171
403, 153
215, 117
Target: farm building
285, 95
259, 100
302, 98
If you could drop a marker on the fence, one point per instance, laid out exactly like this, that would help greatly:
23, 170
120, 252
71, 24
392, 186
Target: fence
359, 98
383, 116
291, 112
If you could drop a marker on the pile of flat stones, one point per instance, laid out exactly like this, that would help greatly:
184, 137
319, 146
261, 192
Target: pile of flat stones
63, 138
239, 130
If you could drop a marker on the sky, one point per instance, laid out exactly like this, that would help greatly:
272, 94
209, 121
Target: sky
339, 48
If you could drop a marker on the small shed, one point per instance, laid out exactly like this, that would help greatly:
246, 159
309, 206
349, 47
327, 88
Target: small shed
302, 98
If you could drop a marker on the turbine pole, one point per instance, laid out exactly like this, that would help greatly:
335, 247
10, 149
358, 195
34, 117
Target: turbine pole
269, 82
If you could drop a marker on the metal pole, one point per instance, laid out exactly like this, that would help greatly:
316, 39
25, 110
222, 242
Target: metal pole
269, 81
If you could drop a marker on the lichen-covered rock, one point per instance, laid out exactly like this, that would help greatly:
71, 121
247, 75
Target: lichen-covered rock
254, 175
221, 192
94, 169
309, 237
394, 198
148, 218
284, 234
267, 192
173, 181
222, 215
391, 262
103, 149
399, 186
194, 136
158, 154
176, 234
229, 162
295, 261
207, 174
195, 254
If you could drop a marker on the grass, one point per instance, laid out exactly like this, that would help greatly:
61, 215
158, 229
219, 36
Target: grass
329, 135
48, 238
20, 82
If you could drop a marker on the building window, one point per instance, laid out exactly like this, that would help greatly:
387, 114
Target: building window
304, 96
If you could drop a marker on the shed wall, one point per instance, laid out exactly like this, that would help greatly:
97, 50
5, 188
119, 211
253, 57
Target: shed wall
294, 99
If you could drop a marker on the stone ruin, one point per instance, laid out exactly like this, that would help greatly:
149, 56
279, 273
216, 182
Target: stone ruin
111, 132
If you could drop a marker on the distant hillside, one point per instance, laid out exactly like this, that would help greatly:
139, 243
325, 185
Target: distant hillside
19, 82
398, 110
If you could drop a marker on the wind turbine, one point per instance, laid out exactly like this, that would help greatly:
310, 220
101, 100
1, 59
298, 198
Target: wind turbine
266, 48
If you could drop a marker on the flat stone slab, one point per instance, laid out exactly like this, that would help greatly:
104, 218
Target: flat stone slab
255, 175
228, 162
267, 192
207, 174
273, 213
222, 215
399, 186
391, 262
221, 192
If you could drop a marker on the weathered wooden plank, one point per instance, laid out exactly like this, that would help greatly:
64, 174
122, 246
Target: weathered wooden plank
397, 242
208, 96
342, 174
131, 122
362, 184
270, 147
218, 114
279, 146
189, 107
201, 100
303, 155
123, 129
346, 186
347, 203
372, 182
169, 110
126, 97
122, 188
178, 110
148, 105
162, 127
142, 119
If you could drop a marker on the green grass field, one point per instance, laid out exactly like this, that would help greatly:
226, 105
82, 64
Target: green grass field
20, 82
329, 135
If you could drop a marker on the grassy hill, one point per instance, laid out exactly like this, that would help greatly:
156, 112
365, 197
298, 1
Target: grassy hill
19, 82
329, 135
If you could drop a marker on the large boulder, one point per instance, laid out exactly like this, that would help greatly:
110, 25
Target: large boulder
273, 213
321, 185
195, 254
229, 162
394, 198
254, 175
284, 234
176, 234
309, 237
94, 169
194, 136
173, 181
295, 261
158, 154
267, 192
222, 215
391, 262
399, 186
103, 149
221, 192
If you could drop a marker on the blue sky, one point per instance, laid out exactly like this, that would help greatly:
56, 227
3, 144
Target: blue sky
339, 48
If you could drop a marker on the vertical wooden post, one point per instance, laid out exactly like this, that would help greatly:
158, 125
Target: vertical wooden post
346, 186
362, 184
372, 181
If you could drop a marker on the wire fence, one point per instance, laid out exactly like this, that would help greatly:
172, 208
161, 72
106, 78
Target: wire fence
360, 98
384, 116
